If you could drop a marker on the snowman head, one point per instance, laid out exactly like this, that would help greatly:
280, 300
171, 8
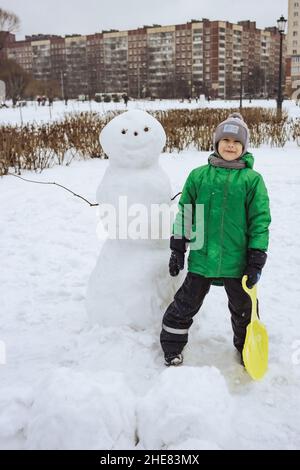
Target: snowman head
133, 139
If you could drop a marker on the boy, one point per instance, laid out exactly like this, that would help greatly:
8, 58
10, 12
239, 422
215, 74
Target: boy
236, 235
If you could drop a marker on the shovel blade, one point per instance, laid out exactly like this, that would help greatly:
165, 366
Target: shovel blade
256, 350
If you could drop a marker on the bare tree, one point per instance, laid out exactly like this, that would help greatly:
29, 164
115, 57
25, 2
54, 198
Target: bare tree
49, 88
9, 23
15, 77
254, 82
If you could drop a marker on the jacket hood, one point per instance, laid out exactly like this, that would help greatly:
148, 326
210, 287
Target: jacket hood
248, 159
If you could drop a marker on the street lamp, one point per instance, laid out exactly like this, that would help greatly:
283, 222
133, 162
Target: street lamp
265, 94
62, 84
241, 84
138, 81
281, 23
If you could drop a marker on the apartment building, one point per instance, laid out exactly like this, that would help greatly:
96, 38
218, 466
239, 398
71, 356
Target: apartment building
115, 63
58, 62
76, 69
161, 60
95, 63
270, 56
137, 61
20, 52
293, 46
231, 63
214, 58
293, 35
5, 38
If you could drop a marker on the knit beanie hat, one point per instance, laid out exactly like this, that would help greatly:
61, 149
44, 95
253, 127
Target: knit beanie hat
234, 127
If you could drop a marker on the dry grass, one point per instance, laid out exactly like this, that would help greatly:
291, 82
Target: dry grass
35, 147
195, 128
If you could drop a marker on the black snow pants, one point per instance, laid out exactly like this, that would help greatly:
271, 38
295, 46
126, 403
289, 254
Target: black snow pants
188, 300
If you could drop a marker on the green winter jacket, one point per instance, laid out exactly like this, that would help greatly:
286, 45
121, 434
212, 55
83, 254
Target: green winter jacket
233, 215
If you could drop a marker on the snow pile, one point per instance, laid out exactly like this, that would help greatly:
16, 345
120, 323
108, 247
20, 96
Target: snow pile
80, 410
195, 444
14, 414
186, 404
67, 386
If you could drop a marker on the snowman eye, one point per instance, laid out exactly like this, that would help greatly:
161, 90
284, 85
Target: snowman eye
124, 131
146, 129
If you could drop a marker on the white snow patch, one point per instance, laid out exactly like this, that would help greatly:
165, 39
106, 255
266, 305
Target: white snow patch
185, 403
80, 410
48, 249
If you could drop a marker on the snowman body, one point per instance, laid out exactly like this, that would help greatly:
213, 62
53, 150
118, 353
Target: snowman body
130, 284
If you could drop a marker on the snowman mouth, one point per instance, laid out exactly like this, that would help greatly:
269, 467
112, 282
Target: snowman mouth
137, 145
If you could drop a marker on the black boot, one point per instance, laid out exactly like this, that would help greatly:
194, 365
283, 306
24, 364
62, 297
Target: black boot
173, 360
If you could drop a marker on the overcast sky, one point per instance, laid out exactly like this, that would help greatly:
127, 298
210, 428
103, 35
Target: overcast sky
89, 16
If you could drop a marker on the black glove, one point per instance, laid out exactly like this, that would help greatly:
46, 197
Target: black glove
176, 263
256, 260
178, 247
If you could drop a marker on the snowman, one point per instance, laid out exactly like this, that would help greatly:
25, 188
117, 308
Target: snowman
130, 284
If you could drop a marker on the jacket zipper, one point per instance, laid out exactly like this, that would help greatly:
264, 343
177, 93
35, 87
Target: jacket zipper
222, 221
208, 217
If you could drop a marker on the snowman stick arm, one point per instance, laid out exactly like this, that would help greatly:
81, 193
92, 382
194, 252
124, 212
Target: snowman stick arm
57, 184
174, 197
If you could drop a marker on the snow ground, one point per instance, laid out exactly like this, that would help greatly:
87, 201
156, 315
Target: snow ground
41, 114
65, 385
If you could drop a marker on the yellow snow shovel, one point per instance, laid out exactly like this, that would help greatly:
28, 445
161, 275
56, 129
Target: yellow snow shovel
256, 347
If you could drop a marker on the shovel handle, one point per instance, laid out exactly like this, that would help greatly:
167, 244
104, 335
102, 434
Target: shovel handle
253, 295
